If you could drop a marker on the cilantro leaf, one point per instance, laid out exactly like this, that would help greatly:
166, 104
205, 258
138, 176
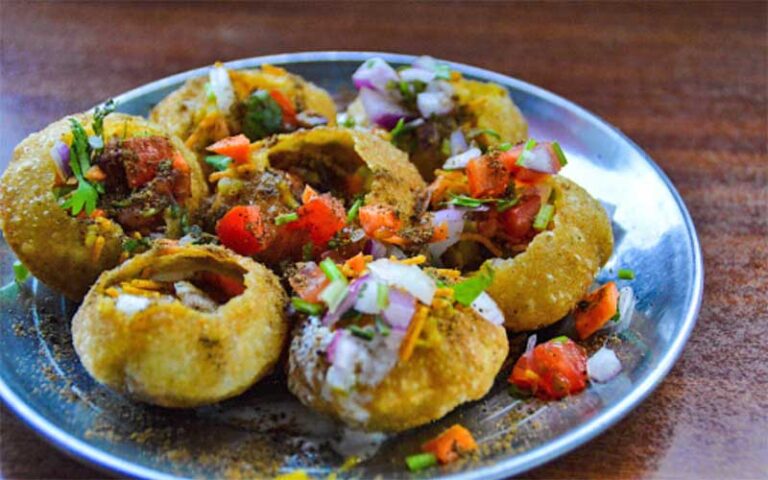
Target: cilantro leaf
86, 195
218, 162
469, 202
20, 272
98, 117
466, 291
263, 116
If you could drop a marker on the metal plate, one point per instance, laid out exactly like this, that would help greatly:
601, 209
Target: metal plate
267, 431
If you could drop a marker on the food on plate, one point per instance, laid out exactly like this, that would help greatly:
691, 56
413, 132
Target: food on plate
89, 190
257, 102
551, 370
300, 195
432, 112
388, 346
181, 326
445, 448
543, 235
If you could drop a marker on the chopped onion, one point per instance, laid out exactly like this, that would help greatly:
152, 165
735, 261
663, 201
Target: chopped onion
540, 158
131, 304
96, 142
425, 62
603, 365
221, 86
339, 298
458, 142
487, 308
417, 75
408, 277
366, 300
60, 154
434, 104
529, 346
382, 110
454, 219
374, 74
375, 248
400, 310
461, 160
627, 302
330, 352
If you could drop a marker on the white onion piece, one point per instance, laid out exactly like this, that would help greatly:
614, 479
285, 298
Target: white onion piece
221, 85
417, 75
382, 110
96, 142
627, 302
603, 365
442, 87
461, 160
60, 154
374, 74
540, 158
458, 142
425, 62
408, 277
367, 296
487, 308
376, 249
400, 310
454, 219
131, 304
530, 345
433, 104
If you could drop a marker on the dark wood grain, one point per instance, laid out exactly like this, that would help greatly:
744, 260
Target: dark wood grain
686, 81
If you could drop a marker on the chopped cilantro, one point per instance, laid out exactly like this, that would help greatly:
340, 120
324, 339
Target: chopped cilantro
20, 272
420, 461
100, 114
560, 339
218, 162
130, 245
466, 291
469, 202
544, 216
505, 204
331, 270
476, 132
398, 129
354, 209
382, 296
364, 333
503, 147
286, 218
263, 116
382, 327
560, 154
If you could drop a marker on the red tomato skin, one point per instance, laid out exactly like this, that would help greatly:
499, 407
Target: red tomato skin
309, 282
517, 222
242, 230
149, 152
487, 177
553, 370
322, 216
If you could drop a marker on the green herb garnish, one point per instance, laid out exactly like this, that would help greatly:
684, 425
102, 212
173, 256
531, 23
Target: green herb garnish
469, 202
560, 339
476, 132
526, 148
263, 116
331, 270
354, 210
382, 296
98, 120
506, 203
626, 274
398, 129
503, 147
130, 245
286, 218
544, 216
218, 162
382, 327
445, 147
334, 293
560, 154
20, 272
420, 461
304, 306
86, 195
364, 333
466, 291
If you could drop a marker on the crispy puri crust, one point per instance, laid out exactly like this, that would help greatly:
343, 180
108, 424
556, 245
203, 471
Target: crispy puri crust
542, 284
396, 181
44, 236
172, 355
433, 382
176, 112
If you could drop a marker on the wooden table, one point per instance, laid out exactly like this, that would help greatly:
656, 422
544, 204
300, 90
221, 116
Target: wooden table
685, 81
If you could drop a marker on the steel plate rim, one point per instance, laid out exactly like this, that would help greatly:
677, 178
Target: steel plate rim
516, 464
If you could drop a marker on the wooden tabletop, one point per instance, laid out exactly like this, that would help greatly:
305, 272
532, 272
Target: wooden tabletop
688, 82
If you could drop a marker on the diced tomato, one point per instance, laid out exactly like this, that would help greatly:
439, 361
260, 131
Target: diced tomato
597, 309
242, 230
286, 105
517, 222
229, 286
521, 175
238, 148
379, 221
309, 282
552, 370
447, 446
487, 177
322, 215
148, 152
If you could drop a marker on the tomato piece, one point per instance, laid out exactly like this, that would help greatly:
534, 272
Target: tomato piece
447, 446
379, 221
487, 177
553, 370
238, 148
309, 282
597, 309
521, 175
148, 153
286, 105
242, 230
517, 222
322, 216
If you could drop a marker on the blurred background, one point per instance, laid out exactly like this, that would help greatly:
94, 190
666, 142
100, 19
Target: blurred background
686, 81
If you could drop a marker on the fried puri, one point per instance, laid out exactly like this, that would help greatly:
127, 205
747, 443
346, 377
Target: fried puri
458, 368
68, 252
181, 326
542, 284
